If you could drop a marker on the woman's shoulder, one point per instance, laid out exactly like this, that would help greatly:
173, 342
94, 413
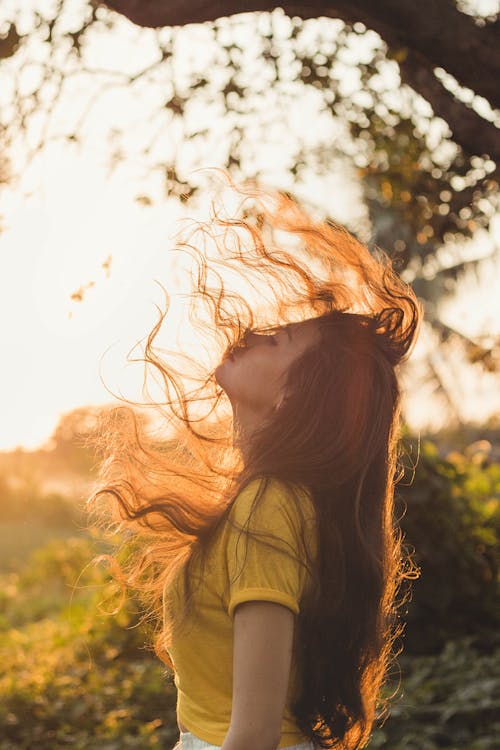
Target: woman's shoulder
271, 505
272, 494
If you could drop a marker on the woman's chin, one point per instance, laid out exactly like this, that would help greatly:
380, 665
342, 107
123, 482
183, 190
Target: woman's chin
220, 372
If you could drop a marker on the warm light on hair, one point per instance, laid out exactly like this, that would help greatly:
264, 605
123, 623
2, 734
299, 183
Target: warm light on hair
337, 433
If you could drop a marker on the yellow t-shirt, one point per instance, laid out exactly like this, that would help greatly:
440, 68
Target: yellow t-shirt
202, 653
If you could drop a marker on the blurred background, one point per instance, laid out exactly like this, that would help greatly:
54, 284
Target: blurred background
383, 119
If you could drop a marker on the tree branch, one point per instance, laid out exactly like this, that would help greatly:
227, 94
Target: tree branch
463, 121
436, 29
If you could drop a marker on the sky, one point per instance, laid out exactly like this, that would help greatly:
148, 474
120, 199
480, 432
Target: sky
65, 219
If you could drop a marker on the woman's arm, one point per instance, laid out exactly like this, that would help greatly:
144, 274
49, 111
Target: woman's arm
262, 654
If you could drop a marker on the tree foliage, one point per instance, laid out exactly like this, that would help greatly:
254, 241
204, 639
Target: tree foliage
373, 91
422, 37
78, 670
450, 513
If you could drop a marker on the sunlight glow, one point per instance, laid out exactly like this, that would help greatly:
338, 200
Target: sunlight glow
79, 252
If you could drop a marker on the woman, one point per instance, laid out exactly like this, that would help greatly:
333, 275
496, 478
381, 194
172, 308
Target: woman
265, 537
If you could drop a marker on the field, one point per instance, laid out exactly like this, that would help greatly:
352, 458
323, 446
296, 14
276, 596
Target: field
74, 675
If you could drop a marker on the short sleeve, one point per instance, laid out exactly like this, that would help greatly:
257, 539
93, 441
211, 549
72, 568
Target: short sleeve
269, 567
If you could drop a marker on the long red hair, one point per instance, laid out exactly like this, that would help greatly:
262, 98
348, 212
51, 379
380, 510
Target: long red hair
337, 433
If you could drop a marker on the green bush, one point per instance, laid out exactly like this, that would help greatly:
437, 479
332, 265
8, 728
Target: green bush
450, 513
448, 700
54, 692
73, 675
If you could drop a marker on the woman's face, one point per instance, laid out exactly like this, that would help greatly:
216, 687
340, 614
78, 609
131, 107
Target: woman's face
253, 376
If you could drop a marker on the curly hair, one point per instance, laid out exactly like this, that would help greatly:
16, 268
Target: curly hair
337, 433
